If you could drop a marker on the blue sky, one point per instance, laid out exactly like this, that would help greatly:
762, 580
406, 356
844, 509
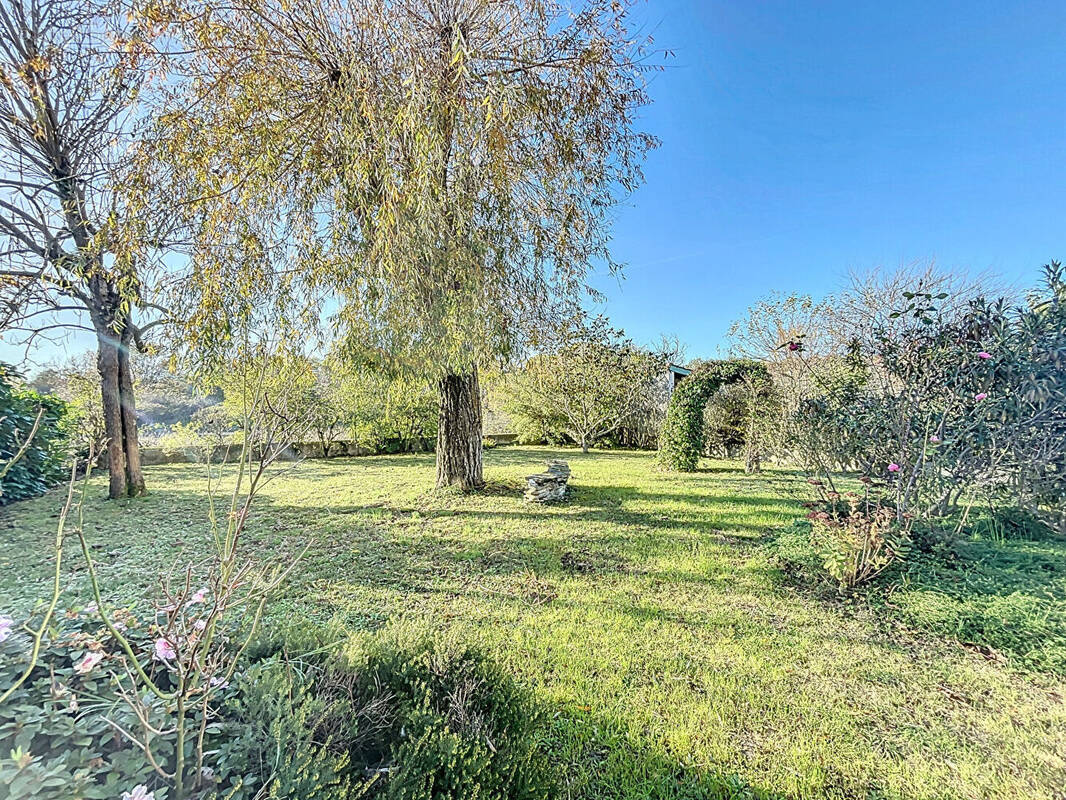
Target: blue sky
805, 139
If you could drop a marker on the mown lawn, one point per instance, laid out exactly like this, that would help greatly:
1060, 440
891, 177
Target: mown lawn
646, 614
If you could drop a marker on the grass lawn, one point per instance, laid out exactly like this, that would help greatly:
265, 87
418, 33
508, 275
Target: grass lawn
646, 614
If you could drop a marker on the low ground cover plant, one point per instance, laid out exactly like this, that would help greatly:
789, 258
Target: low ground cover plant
311, 713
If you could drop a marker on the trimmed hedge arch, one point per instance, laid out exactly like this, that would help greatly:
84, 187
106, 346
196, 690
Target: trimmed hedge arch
681, 438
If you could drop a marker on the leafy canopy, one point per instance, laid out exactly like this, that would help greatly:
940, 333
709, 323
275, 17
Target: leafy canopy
443, 169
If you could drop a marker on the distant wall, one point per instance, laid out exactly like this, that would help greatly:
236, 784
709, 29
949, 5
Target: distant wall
300, 450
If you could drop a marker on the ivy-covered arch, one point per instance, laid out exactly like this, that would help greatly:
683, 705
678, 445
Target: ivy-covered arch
681, 438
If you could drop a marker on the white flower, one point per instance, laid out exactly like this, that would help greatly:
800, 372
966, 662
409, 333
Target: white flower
6, 624
87, 663
139, 793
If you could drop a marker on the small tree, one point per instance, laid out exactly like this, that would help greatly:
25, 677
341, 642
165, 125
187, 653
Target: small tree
744, 415
587, 386
70, 75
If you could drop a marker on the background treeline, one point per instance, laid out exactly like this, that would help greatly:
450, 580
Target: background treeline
376, 411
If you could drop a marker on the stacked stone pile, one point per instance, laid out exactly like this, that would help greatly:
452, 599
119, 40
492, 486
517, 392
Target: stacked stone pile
550, 486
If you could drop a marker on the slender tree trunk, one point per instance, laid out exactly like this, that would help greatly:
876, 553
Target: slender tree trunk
120, 417
131, 437
459, 433
584, 444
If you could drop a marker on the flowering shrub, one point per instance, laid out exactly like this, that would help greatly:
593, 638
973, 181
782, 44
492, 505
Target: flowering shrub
59, 731
395, 717
955, 409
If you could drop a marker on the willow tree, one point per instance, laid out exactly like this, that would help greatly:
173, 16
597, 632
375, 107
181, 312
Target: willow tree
74, 251
446, 168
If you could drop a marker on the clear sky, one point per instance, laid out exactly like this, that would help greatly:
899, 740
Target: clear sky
803, 139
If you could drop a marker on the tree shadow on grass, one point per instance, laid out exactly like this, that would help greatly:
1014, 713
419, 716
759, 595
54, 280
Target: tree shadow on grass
599, 758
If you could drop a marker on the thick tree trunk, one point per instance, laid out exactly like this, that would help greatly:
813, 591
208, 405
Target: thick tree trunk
120, 418
459, 433
107, 364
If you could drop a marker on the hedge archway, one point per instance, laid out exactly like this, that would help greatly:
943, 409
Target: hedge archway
681, 438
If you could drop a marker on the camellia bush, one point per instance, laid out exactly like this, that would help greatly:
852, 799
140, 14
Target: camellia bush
32, 439
956, 410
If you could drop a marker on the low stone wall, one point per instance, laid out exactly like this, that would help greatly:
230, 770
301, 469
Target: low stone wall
195, 455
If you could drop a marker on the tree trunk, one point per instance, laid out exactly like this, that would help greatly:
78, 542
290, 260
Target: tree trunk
584, 445
120, 418
131, 437
459, 433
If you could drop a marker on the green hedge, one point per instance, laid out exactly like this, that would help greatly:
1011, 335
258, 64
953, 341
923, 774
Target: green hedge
42, 464
681, 438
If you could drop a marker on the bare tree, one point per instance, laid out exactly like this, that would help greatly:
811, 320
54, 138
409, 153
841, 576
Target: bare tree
74, 250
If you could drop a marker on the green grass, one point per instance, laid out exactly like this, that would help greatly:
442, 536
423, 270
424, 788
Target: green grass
646, 614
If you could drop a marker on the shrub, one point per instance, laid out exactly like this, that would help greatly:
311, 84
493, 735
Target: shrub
955, 406
54, 735
846, 537
856, 538
41, 465
397, 717
393, 717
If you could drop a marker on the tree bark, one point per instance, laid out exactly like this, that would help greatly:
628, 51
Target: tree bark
120, 417
459, 433
130, 435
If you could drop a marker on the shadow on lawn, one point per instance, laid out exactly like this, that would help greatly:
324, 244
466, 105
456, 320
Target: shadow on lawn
599, 758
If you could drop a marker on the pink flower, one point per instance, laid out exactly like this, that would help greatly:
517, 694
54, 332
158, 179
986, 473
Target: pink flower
200, 624
198, 597
216, 682
164, 650
893, 467
934, 439
980, 396
139, 793
794, 346
6, 624
984, 355
88, 662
